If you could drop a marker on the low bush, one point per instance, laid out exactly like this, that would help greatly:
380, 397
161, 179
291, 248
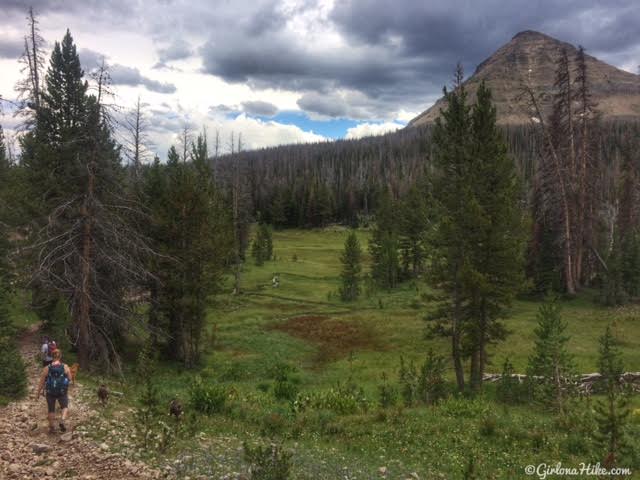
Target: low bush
343, 400
207, 398
270, 462
273, 424
388, 393
510, 390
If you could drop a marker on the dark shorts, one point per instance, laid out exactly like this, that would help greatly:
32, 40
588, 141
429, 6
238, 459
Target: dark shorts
62, 400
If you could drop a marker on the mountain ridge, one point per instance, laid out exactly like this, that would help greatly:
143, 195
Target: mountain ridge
531, 56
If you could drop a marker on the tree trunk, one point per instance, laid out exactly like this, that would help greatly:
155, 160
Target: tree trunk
456, 335
478, 355
84, 310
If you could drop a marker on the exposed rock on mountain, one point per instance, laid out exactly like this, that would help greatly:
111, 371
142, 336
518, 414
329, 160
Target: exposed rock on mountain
530, 57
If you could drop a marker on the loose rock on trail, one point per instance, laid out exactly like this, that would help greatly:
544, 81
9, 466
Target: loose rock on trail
28, 451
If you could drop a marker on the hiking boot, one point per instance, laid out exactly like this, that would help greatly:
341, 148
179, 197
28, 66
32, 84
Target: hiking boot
52, 430
63, 428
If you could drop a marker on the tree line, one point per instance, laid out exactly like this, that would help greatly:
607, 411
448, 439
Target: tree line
480, 232
110, 249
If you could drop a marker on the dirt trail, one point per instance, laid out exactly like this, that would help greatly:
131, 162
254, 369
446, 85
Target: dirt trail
28, 451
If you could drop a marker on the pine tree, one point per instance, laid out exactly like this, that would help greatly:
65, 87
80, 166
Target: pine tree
147, 409
89, 251
494, 270
262, 246
193, 233
413, 227
451, 193
13, 379
351, 260
612, 412
383, 245
477, 239
551, 361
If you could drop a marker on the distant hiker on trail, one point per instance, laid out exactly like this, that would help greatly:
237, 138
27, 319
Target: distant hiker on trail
46, 352
55, 379
275, 281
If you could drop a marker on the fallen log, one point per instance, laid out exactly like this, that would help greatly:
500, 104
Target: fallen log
585, 382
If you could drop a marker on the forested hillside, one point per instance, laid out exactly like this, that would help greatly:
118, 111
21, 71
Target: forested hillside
313, 185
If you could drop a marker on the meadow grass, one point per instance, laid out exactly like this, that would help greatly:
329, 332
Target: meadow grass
303, 324
327, 343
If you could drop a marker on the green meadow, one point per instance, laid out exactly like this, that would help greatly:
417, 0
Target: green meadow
323, 345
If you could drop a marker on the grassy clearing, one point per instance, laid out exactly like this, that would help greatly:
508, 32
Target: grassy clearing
326, 343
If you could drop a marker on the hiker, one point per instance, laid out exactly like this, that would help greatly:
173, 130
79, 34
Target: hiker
55, 379
46, 353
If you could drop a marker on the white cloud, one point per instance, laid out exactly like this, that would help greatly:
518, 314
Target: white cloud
166, 125
372, 129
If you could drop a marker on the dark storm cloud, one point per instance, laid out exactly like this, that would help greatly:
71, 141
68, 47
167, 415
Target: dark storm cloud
93, 8
322, 105
121, 74
399, 53
177, 50
11, 48
258, 107
459, 29
394, 54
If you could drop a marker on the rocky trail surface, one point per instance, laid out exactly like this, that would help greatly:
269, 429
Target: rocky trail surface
28, 451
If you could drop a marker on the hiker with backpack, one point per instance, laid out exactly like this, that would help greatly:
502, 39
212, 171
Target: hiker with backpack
46, 351
55, 380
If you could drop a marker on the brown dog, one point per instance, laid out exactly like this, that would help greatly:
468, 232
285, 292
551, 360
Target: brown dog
74, 371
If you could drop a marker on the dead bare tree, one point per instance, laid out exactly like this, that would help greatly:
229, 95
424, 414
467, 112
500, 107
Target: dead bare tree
136, 139
32, 60
566, 177
186, 139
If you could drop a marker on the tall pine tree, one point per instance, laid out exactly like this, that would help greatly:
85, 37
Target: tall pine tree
351, 260
453, 194
494, 272
88, 250
383, 245
193, 234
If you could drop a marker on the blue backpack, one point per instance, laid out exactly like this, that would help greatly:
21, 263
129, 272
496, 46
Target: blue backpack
57, 381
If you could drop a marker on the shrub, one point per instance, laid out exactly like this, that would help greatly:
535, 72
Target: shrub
470, 471
343, 400
510, 389
285, 390
207, 398
488, 426
538, 440
457, 407
408, 382
147, 410
285, 387
13, 378
270, 462
388, 393
274, 423
431, 386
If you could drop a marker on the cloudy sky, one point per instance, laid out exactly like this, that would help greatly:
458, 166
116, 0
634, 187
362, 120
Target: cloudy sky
284, 71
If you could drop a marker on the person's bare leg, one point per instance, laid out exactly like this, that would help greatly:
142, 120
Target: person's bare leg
63, 426
52, 421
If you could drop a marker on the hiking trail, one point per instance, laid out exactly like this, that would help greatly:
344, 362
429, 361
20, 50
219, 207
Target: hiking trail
28, 451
